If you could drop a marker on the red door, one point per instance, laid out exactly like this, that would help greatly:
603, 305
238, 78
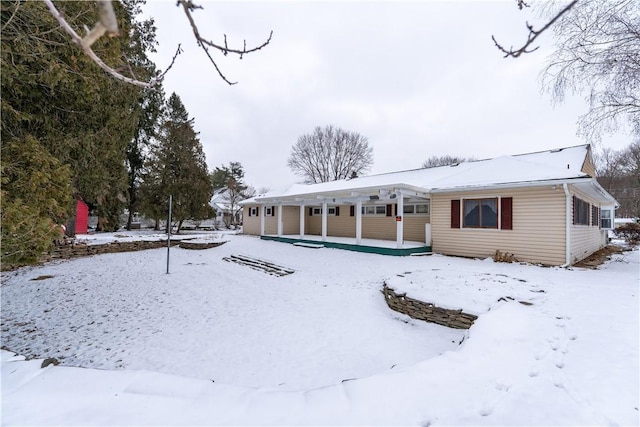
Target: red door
82, 217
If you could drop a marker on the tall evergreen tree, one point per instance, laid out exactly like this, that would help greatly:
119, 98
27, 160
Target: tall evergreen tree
176, 166
54, 96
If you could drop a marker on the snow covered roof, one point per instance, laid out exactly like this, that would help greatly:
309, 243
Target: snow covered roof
559, 164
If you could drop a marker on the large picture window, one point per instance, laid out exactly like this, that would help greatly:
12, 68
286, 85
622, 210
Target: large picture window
480, 213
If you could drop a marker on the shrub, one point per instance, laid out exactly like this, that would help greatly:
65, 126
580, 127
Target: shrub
504, 257
630, 232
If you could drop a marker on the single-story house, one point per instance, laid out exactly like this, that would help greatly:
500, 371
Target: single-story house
544, 207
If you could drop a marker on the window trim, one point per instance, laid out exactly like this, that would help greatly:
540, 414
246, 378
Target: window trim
611, 218
414, 207
376, 208
331, 211
268, 211
581, 212
463, 222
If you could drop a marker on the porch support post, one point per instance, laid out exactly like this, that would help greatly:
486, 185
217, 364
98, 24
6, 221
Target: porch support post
324, 221
279, 220
400, 220
359, 222
302, 212
261, 213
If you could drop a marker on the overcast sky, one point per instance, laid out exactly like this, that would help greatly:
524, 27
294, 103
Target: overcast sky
416, 78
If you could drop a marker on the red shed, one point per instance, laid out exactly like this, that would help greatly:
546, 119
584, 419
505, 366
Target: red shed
82, 217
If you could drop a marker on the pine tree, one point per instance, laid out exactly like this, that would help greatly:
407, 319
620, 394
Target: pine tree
176, 166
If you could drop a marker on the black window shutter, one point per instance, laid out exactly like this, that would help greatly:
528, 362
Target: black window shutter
395, 209
310, 211
389, 210
273, 211
257, 210
250, 210
506, 213
455, 214
337, 210
352, 210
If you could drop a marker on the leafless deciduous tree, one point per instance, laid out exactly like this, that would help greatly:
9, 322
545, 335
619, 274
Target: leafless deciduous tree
619, 174
107, 25
446, 160
329, 154
598, 55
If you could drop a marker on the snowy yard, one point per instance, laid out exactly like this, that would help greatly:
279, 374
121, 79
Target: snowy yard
215, 342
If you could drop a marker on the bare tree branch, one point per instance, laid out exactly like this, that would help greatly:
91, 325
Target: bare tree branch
189, 7
107, 23
533, 34
596, 55
85, 45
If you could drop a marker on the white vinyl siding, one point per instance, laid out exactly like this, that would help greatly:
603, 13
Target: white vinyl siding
250, 223
538, 233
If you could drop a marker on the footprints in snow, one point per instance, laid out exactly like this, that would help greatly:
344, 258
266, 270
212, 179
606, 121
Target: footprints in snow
559, 345
549, 361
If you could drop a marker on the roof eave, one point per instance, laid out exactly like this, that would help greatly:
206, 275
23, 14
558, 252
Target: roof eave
336, 194
519, 184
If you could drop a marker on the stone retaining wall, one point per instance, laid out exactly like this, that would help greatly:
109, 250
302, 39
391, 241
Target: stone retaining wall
77, 250
427, 311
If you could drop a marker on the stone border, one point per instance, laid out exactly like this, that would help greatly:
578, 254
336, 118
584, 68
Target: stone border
200, 245
427, 311
78, 250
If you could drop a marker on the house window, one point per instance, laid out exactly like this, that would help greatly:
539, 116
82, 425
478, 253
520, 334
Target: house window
334, 210
595, 214
580, 211
421, 209
374, 210
253, 211
268, 211
480, 213
606, 218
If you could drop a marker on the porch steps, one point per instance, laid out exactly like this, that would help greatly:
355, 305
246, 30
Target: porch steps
309, 245
260, 265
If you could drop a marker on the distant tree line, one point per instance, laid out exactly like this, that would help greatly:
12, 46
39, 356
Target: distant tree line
619, 173
446, 160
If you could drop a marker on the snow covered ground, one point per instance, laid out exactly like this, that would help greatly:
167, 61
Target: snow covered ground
217, 343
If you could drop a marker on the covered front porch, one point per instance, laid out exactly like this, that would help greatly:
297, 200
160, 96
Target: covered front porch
373, 246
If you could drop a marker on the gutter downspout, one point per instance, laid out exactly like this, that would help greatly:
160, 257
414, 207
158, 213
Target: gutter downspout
567, 237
